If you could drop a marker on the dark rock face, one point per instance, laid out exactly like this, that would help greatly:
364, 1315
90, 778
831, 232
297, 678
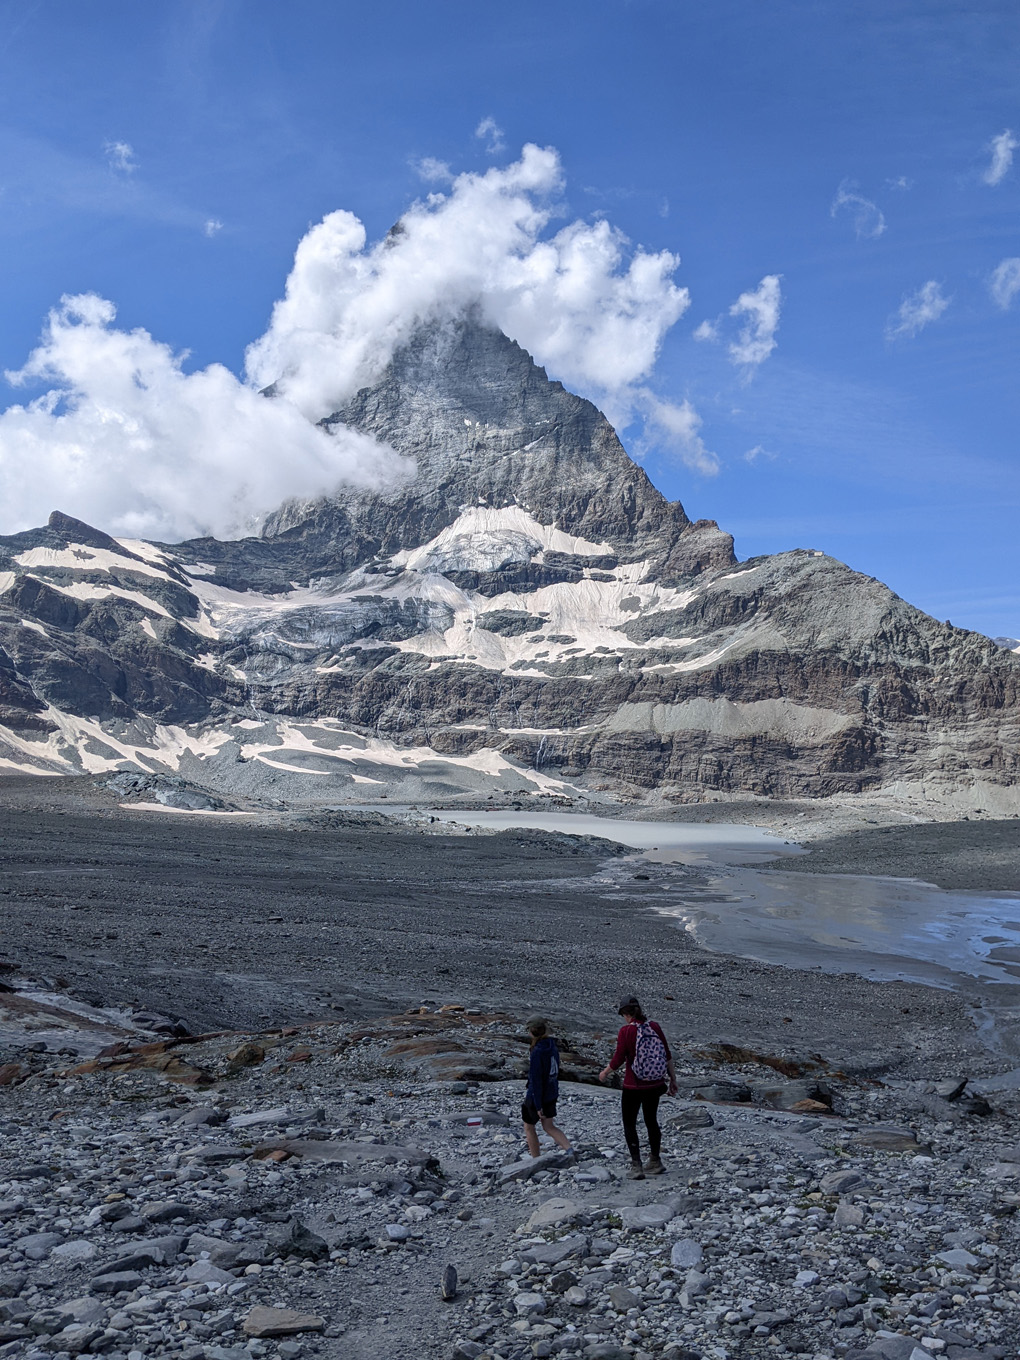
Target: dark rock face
527, 612
486, 427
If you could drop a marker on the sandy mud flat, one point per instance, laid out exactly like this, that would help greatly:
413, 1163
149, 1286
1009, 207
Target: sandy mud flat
226, 922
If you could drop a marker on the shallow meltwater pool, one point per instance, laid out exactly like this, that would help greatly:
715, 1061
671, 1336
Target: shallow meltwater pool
877, 927
660, 842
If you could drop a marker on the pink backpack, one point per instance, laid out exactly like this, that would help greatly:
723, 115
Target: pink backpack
649, 1055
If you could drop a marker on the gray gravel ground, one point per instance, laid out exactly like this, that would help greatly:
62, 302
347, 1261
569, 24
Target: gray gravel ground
773, 1233
139, 1218
978, 856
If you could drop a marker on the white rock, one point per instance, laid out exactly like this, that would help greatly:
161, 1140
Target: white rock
643, 1216
204, 1272
526, 1305
554, 1212
78, 1250
686, 1253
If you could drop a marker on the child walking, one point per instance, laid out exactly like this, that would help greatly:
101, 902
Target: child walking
539, 1104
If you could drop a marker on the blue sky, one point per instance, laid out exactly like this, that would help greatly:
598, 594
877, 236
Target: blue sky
170, 156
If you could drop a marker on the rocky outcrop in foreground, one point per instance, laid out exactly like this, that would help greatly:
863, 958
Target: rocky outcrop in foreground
360, 1193
526, 614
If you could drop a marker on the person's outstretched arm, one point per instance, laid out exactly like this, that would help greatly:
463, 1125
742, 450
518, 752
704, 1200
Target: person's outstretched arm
617, 1058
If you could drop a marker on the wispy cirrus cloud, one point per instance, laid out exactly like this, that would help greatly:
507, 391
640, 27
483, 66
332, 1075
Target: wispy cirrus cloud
868, 218
1001, 148
759, 451
916, 311
120, 156
1004, 283
677, 428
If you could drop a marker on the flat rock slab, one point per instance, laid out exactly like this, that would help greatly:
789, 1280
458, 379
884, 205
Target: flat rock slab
36, 1246
477, 1117
351, 1152
204, 1272
76, 1251
839, 1182
643, 1216
554, 1212
166, 1210
160, 1251
248, 1121
280, 1322
693, 1118
958, 1259
552, 1253
895, 1347
116, 1281
847, 1215
524, 1170
685, 1253
215, 1152
889, 1139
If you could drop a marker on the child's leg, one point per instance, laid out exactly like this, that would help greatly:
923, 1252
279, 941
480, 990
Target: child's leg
557, 1135
531, 1138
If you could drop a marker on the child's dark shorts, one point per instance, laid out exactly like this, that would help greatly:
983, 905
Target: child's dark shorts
531, 1114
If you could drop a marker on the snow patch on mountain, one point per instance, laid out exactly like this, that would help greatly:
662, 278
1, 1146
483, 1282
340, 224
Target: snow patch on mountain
484, 539
78, 557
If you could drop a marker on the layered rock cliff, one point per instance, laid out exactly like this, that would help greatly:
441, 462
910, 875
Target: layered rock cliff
525, 613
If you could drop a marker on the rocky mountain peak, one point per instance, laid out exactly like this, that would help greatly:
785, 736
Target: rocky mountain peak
486, 427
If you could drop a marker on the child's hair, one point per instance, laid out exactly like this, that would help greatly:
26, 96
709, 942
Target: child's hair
537, 1027
633, 1011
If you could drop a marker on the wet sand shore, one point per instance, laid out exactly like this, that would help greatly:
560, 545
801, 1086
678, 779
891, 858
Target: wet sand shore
977, 856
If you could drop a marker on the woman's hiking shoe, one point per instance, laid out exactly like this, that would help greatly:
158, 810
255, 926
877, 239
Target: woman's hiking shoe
636, 1172
654, 1167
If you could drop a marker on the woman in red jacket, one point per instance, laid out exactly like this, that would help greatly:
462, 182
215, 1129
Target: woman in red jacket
648, 1074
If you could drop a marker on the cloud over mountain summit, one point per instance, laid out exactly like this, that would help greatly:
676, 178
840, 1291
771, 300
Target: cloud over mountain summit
122, 435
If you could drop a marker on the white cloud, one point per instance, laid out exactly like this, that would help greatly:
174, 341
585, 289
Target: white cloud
213, 226
121, 156
757, 338
589, 308
759, 451
868, 218
1002, 148
125, 439
490, 132
678, 429
917, 310
899, 182
434, 171
1004, 283
707, 330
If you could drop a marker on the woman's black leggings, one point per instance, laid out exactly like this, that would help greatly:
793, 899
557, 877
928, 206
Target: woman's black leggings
648, 1103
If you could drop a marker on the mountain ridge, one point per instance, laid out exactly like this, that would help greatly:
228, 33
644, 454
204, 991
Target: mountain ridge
524, 613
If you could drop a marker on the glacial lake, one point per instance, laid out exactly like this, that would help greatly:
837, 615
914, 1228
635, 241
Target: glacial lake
877, 927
